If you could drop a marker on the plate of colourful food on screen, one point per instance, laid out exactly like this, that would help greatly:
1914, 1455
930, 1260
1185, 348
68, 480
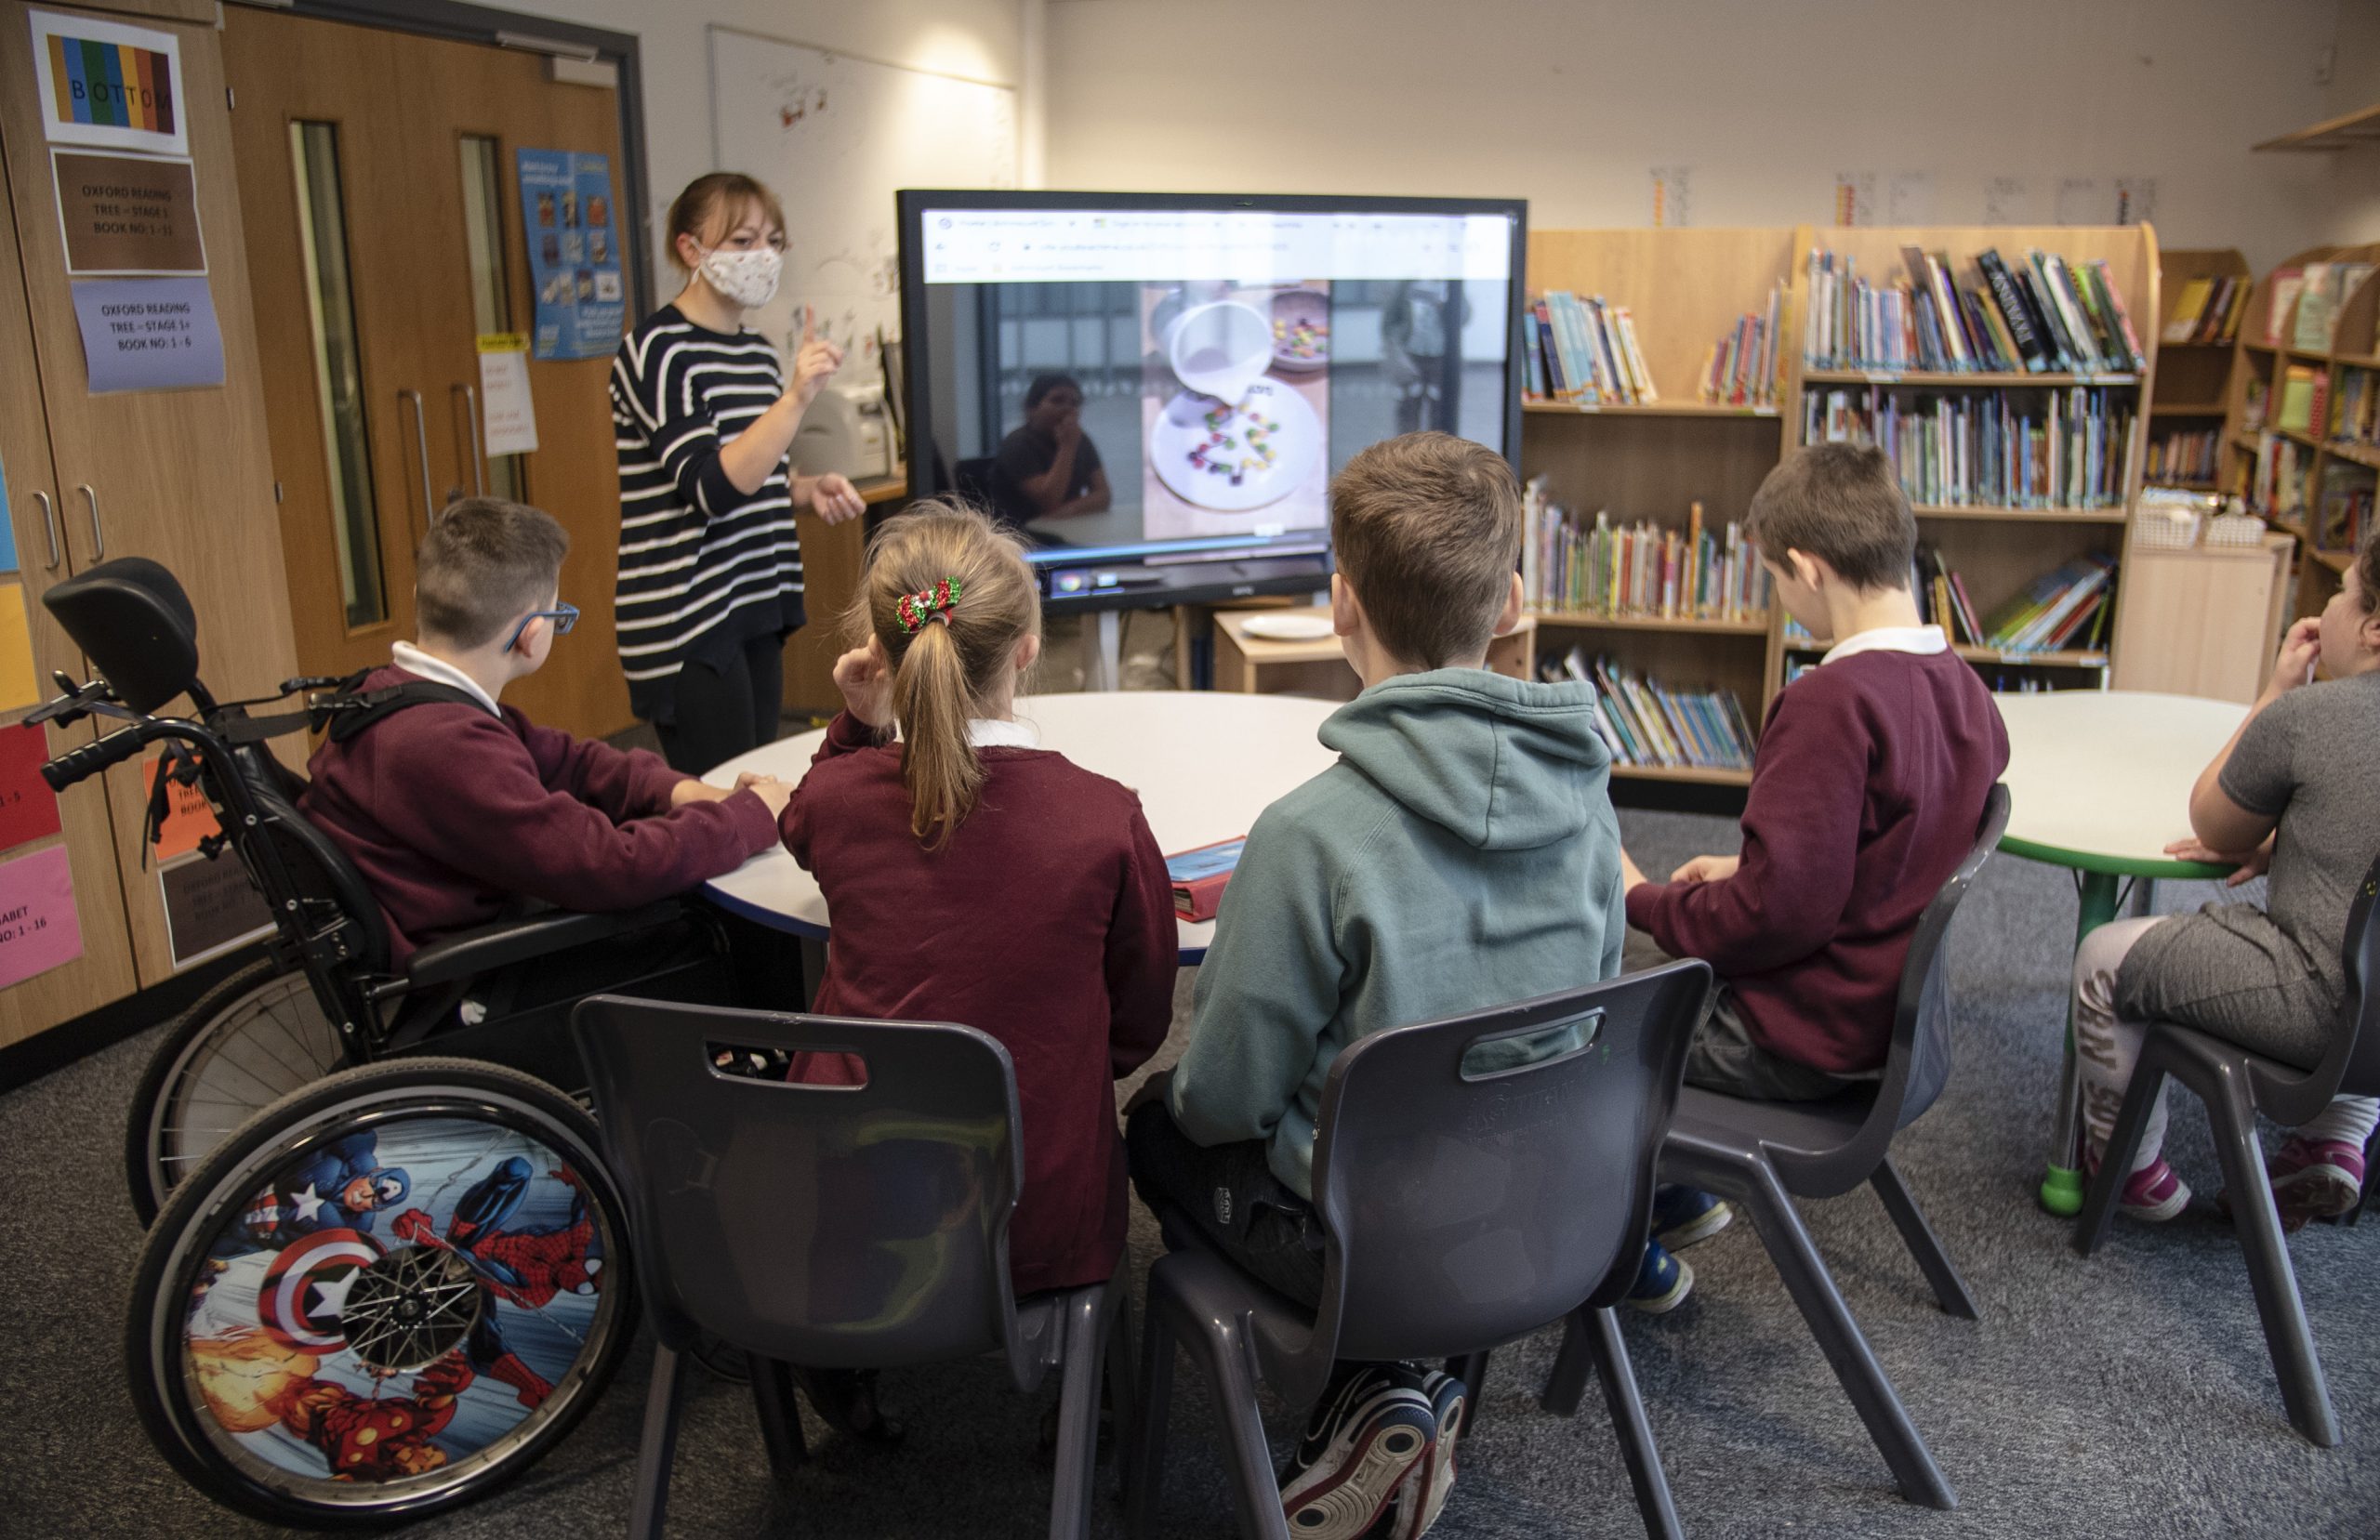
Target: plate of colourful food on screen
1234, 458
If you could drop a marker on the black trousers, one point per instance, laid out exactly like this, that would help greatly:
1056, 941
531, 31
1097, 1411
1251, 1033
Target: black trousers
1231, 1194
725, 706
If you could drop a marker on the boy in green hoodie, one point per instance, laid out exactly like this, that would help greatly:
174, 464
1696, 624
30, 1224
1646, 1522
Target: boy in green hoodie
1463, 854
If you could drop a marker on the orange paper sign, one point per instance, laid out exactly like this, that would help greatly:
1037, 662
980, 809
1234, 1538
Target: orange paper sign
188, 818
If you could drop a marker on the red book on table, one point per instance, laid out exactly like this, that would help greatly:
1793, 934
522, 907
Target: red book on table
1200, 876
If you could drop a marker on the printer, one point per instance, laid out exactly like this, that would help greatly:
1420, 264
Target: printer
846, 431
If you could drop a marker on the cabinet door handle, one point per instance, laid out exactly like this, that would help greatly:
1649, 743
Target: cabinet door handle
49, 527
98, 535
421, 446
479, 449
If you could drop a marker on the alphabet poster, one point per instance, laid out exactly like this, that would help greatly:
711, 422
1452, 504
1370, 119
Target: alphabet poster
105, 84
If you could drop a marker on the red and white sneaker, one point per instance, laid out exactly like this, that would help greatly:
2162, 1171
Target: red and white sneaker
2314, 1180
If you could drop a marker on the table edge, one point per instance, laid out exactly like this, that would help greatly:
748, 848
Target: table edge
2107, 865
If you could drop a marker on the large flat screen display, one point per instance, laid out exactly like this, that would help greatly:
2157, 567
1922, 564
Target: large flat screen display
1156, 389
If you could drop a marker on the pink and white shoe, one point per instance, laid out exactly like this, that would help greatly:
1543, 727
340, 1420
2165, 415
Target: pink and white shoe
2314, 1180
2152, 1194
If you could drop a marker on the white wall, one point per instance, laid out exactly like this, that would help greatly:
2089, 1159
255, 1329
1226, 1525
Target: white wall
1571, 104
2353, 191
979, 39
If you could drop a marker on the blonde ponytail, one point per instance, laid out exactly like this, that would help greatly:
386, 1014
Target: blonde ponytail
948, 653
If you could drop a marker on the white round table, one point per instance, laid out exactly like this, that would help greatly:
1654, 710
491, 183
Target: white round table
2099, 781
1205, 764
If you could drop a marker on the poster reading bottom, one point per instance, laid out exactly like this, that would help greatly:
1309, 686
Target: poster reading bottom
209, 906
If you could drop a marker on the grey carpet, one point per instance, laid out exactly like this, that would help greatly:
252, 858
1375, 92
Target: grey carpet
2126, 1396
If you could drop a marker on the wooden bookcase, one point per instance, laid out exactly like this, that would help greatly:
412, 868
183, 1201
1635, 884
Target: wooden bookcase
2193, 391
1685, 288
2266, 349
1998, 550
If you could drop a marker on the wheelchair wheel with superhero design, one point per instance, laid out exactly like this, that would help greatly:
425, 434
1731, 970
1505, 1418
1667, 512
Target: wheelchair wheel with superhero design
383, 1295
246, 1043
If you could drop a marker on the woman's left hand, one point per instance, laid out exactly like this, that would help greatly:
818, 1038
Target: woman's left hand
835, 499
2245, 864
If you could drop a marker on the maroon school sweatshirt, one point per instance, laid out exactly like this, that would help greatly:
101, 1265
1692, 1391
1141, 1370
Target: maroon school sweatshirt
1866, 792
1047, 922
452, 813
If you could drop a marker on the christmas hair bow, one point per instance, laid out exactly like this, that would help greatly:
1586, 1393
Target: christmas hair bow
915, 609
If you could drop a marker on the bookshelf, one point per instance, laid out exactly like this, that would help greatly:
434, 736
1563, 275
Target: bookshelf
2327, 468
2193, 392
1686, 289
1997, 551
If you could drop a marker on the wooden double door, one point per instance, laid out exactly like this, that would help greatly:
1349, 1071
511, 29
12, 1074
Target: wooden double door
378, 182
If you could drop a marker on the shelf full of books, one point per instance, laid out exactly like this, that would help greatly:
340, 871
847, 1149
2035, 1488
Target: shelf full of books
1658, 731
2061, 619
2058, 449
2038, 315
2207, 293
1581, 572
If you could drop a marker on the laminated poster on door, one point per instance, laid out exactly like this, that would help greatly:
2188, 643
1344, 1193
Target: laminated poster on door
39, 929
104, 84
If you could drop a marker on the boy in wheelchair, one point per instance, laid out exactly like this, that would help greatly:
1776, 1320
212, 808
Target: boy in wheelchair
458, 810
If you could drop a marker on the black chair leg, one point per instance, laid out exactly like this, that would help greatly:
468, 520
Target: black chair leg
1600, 1330
1950, 1289
657, 1449
1566, 1386
1472, 1369
1085, 1323
2287, 1336
1123, 1393
780, 1417
2123, 1143
1863, 1379
1145, 1483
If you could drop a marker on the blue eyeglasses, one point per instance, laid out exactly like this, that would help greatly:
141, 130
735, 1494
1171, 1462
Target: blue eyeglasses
565, 616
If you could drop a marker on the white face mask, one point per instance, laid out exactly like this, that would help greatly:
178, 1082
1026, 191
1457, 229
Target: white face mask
749, 278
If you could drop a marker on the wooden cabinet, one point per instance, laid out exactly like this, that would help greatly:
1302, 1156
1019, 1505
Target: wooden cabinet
180, 476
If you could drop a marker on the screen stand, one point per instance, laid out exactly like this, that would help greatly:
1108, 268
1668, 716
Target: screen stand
1102, 650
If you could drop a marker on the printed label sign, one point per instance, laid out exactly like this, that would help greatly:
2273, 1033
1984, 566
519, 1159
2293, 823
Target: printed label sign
210, 906
188, 818
149, 334
106, 83
128, 213
27, 808
38, 926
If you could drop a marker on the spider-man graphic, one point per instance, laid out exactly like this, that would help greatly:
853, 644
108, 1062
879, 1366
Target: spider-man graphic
523, 1267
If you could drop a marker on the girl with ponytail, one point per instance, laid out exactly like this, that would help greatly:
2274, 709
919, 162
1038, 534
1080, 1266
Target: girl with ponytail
975, 878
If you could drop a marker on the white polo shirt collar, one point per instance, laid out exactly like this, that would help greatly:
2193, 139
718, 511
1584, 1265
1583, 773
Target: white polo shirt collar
412, 660
1890, 639
987, 733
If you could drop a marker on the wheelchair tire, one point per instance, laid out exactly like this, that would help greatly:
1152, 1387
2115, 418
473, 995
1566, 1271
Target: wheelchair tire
302, 1355
245, 1043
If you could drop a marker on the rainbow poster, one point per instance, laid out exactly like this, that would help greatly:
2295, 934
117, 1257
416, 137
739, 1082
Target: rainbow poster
105, 84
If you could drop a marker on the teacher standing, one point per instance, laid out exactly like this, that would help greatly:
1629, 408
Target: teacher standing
710, 566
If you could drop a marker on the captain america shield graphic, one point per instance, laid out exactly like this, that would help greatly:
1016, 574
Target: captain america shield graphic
306, 1289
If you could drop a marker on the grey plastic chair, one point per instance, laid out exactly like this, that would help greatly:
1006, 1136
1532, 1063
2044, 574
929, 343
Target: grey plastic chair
2236, 1086
835, 1227
1763, 1154
1461, 1212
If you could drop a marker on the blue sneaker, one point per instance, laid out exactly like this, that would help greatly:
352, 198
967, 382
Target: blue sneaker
1684, 1215
1662, 1282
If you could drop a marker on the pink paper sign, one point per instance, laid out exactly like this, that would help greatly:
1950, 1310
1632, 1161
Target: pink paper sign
38, 929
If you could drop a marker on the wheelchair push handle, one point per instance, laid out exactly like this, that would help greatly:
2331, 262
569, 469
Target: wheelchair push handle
80, 764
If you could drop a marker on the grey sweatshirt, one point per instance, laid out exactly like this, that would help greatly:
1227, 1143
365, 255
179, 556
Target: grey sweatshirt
1463, 854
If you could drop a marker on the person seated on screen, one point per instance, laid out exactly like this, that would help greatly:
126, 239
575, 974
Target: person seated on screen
1049, 467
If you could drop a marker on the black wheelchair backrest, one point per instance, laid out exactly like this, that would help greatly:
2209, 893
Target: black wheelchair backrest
131, 619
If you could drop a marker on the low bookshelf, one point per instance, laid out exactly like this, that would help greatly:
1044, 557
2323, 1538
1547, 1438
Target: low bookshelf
1647, 465
2206, 294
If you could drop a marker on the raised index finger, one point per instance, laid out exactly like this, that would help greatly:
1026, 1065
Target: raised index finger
809, 324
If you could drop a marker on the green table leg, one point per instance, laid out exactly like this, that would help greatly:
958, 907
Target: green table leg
2062, 1184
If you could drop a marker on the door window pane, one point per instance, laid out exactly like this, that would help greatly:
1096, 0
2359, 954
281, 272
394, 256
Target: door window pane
338, 371
491, 297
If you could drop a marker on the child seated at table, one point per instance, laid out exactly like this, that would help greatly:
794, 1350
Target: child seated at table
975, 878
1865, 794
2292, 792
1462, 854
457, 809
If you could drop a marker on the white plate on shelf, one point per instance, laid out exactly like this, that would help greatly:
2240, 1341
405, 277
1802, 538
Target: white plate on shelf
1184, 431
1288, 627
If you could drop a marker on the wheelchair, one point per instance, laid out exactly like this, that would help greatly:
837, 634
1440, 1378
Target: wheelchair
386, 1268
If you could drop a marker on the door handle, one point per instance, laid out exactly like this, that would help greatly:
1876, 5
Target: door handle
479, 449
98, 535
49, 527
421, 446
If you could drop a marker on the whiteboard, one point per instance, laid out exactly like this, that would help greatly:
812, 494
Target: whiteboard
835, 137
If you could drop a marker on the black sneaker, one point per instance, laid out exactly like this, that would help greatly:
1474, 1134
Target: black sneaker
1422, 1494
1359, 1444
